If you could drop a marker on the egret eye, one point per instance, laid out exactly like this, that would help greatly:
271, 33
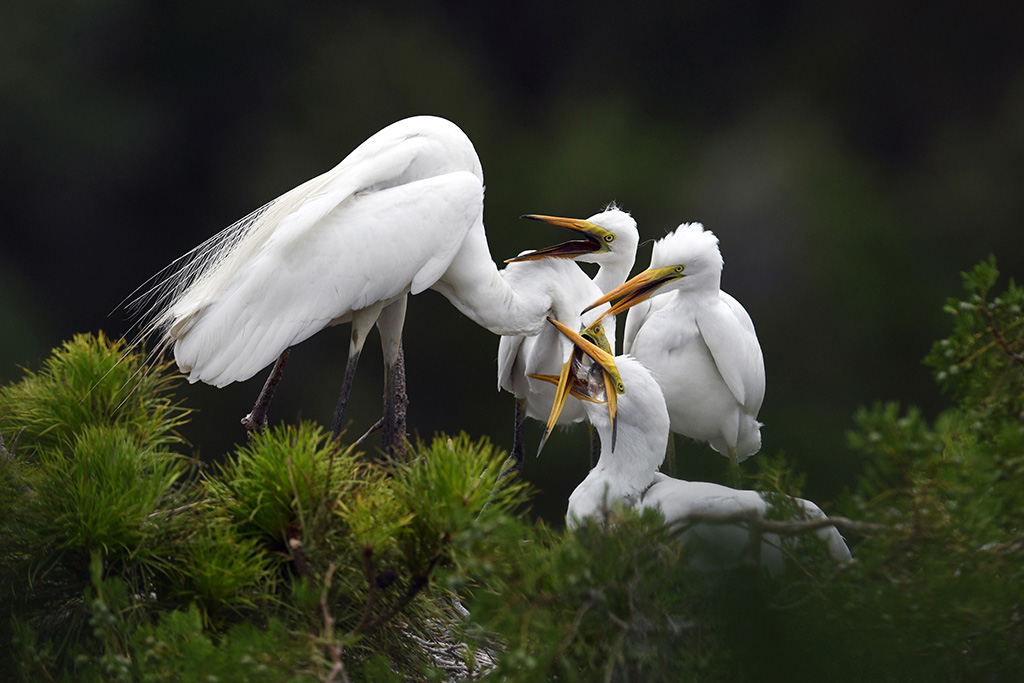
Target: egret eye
680, 269
620, 387
609, 238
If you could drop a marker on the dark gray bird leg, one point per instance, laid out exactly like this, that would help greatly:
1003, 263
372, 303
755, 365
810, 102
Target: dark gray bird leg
515, 458
390, 323
396, 403
346, 389
256, 421
362, 322
595, 445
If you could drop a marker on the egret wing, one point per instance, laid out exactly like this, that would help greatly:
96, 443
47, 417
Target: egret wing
370, 249
737, 309
389, 159
638, 315
729, 334
509, 350
635, 319
392, 164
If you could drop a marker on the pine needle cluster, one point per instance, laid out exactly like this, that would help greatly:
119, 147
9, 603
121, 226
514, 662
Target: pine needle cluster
125, 559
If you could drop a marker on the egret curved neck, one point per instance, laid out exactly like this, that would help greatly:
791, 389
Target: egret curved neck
638, 454
473, 285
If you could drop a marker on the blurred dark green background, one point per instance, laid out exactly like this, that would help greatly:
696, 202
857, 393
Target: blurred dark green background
853, 158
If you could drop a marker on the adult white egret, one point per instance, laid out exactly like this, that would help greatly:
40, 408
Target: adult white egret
403, 212
609, 239
630, 475
697, 341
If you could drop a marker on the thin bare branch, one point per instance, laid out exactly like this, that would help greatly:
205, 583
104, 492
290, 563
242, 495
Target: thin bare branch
791, 527
377, 425
333, 648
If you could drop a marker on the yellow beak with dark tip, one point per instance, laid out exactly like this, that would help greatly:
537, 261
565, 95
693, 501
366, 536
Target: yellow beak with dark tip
639, 288
613, 384
595, 239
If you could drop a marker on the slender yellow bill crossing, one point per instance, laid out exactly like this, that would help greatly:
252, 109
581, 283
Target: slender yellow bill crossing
612, 380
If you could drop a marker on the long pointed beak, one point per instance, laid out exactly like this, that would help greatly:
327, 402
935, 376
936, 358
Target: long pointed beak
639, 288
563, 385
595, 239
595, 334
613, 382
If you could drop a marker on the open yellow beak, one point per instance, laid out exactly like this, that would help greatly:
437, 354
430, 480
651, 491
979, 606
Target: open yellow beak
612, 381
574, 389
639, 288
595, 239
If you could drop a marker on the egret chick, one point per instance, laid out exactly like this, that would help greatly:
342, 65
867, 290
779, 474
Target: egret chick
609, 239
697, 341
630, 476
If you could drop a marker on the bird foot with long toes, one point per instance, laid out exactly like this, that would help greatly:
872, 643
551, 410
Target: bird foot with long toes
513, 468
254, 425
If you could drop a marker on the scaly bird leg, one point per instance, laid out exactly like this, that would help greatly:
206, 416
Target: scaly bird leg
346, 389
256, 421
396, 403
363, 321
390, 323
734, 469
514, 464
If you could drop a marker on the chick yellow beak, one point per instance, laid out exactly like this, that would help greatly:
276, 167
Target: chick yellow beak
639, 288
612, 381
563, 385
595, 239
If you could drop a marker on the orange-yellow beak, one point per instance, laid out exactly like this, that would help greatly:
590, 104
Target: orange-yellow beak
595, 239
613, 385
639, 288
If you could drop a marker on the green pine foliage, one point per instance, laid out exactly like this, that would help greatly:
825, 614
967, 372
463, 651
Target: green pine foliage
285, 481
90, 381
600, 605
221, 572
88, 475
123, 559
298, 558
101, 496
948, 577
982, 363
179, 648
